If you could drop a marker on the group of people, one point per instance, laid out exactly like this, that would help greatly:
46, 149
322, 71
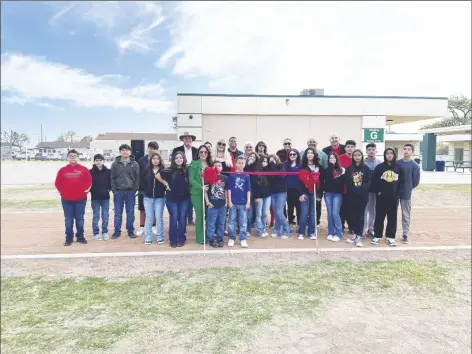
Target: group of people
253, 189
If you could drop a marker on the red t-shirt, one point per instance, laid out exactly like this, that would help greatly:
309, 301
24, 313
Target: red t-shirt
72, 181
337, 150
345, 160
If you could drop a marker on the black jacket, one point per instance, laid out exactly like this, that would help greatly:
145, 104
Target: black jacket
342, 149
334, 182
151, 187
101, 183
182, 149
387, 179
358, 181
278, 184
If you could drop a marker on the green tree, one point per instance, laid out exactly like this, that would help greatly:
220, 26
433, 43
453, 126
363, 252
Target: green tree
86, 138
68, 137
442, 149
460, 109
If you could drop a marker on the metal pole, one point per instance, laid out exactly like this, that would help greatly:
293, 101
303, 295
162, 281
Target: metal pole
316, 226
203, 212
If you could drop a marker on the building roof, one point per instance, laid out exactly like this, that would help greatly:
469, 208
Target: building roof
63, 145
138, 136
458, 129
308, 96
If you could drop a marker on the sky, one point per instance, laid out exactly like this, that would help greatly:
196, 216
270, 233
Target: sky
93, 67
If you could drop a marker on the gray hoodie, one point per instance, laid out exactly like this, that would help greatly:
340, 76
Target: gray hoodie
372, 164
124, 175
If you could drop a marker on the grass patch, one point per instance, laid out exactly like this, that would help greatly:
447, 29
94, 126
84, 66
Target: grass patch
461, 188
34, 204
221, 305
8, 191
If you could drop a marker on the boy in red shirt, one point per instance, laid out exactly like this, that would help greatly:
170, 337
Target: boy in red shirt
73, 182
345, 161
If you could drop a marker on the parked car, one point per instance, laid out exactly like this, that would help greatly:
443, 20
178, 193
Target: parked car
54, 156
40, 156
108, 157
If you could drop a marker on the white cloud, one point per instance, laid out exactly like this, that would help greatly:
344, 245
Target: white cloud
22, 101
28, 79
364, 48
131, 25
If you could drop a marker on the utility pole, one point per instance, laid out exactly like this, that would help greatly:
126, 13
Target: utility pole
41, 133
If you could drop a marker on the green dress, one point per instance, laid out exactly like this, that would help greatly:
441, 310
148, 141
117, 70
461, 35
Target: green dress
195, 170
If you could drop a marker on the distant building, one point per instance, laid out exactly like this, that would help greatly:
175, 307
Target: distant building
48, 147
109, 142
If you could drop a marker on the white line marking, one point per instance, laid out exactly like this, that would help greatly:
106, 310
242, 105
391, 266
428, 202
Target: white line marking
236, 251
90, 212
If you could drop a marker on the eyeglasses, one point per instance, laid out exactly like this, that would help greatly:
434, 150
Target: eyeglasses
221, 144
248, 147
287, 144
203, 152
292, 154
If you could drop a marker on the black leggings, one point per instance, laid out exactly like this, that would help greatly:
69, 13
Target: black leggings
293, 204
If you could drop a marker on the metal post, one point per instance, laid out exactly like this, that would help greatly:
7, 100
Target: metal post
316, 225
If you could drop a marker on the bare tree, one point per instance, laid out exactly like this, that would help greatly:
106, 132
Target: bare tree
86, 138
460, 109
308, 92
14, 138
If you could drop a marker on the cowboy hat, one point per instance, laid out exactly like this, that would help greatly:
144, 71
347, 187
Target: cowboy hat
187, 134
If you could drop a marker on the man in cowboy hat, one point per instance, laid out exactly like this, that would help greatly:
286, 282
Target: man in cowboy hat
191, 153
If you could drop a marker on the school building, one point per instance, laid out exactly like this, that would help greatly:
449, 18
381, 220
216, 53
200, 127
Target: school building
272, 118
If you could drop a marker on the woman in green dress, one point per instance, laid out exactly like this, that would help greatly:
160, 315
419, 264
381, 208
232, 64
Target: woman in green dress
196, 188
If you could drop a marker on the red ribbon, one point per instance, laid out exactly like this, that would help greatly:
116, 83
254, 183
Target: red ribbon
308, 178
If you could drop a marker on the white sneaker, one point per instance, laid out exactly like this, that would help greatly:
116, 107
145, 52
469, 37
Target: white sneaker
97, 237
358, 241
265, 234
231, 243
248, 234
330, 238
351, 239
285, 237
300, 237
154, 230
274, 235
139, 231
243, 244
313, 237
105, 237
336, 239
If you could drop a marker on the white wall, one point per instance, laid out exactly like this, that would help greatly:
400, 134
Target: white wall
466, 145
310, 106
274, 129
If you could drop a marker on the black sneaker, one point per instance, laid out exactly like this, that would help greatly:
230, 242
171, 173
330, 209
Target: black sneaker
67, 243
82, 241
174, 245
115, 236
213, 244
405, 239
180, 245
221, 244
131, 235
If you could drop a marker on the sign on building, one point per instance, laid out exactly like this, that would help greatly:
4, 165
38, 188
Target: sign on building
374, 135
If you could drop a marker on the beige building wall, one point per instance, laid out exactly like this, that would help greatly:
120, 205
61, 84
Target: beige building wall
464, 145
274, 129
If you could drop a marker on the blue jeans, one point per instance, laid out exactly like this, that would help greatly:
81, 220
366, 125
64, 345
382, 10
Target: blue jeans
190, 210
238, 212
262, 212
177, 221
104, 205
216, 221
74, 210
333, 205
125, 200
307, 214
154, 208
278, 201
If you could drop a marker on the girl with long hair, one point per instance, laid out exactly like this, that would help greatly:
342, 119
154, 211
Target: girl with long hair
196, 188
334, 181
261, 148
175, 179
308, 200
293, 194
359, 177
261, 192
154, 199
221, 154
278, 190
